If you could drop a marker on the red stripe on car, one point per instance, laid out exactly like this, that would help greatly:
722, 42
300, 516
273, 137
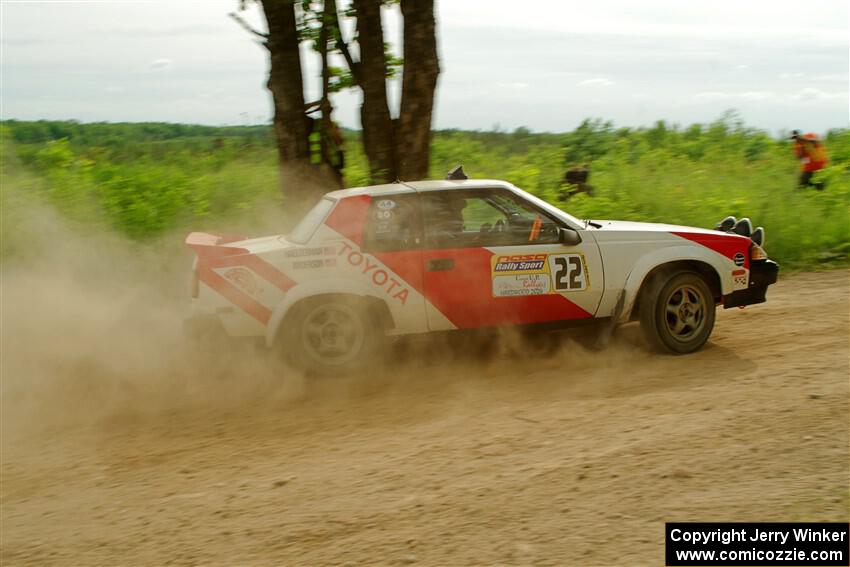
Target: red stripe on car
235, 295
212, 255
269, 272
725, 244
349, 217
257, 265
464, 293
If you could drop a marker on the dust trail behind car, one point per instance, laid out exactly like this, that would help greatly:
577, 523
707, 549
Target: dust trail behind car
93, 327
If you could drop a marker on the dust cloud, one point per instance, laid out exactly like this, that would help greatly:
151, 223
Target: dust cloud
92, 332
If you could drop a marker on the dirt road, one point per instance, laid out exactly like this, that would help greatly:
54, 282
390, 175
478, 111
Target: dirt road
576, 458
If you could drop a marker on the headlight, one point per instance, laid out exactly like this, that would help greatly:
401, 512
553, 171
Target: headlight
757, 253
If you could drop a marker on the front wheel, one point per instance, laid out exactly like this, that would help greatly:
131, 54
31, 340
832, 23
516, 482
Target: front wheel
677, 313
335, 336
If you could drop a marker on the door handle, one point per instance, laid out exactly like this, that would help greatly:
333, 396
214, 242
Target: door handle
441, 264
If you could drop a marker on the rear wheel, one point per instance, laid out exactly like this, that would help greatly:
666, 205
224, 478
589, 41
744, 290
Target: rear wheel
677, 312
333, 336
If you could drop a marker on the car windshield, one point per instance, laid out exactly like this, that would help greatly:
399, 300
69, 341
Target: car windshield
304, 230
554, 211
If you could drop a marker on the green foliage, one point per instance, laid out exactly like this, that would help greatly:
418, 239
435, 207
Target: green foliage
310, 22
140, 179
146, 180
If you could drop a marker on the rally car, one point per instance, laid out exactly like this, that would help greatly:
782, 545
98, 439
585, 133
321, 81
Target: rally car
375, 262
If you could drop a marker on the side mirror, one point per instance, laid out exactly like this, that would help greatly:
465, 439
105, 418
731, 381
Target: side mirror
568, 236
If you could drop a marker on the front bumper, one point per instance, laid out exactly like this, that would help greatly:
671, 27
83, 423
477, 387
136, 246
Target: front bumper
762, 274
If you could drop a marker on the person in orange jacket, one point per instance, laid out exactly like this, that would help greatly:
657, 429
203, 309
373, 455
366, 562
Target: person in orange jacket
812, 154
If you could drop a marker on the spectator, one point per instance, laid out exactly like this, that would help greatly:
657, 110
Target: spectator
812, 154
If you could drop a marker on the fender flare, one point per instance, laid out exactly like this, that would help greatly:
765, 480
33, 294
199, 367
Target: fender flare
648, 262
312, 289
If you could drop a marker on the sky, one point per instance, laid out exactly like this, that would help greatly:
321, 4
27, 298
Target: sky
542, 64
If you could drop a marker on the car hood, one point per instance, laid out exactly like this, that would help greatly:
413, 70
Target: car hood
615, 225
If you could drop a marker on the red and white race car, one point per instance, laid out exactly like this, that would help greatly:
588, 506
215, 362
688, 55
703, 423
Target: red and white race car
418, 257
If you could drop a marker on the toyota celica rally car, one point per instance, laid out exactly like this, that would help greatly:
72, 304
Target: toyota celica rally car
428, 256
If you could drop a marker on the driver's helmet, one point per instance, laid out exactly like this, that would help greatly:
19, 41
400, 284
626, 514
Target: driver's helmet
446, 215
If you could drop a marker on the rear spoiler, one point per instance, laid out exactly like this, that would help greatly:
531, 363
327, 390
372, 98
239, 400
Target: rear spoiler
209, 244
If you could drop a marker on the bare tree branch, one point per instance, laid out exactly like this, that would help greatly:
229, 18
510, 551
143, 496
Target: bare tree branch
247, 26
342, 45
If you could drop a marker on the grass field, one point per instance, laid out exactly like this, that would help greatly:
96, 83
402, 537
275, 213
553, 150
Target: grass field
152, 181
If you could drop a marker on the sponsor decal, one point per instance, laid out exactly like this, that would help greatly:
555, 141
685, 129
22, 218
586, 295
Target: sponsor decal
519, 266
317, 251
538, 274
386, 204
739, 259
308, 264
373, 269
522, 284
740, 279
519, 263
244, 279
569, 272
383, 227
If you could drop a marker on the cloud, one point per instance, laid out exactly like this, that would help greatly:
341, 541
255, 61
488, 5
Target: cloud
597, 82
161, 64
515, 86
810, 94
756, 95
712, 96
742, 67
832, 78
114, 89
748, 96
791, 75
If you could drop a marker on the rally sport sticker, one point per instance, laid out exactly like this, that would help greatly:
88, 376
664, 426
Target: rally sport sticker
538, 274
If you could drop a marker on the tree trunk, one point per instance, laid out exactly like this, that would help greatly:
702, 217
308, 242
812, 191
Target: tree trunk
421, 69
300, 182
378, 138
285, 81
329, 147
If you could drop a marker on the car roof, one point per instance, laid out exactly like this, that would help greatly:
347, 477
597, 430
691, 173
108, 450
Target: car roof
423, 186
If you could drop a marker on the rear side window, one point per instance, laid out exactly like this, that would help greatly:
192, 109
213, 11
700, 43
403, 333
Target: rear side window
304, 230
394, 224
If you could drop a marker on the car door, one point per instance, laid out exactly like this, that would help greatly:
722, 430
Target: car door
393, 236
492, 258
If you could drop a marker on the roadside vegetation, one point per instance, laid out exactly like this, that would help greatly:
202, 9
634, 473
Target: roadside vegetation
151, 181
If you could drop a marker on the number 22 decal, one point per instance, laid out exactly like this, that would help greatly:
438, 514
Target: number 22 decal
568, 272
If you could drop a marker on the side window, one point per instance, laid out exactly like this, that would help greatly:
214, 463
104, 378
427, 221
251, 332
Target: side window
394, 224
490, 217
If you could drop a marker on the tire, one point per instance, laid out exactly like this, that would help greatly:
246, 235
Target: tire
677, 312
333, 336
